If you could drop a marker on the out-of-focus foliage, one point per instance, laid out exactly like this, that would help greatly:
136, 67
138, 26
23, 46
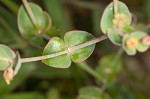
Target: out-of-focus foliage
37, 81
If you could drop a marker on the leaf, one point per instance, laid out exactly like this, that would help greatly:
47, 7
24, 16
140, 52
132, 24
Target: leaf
114, 37
25, 95
27, 29
74, 38
53, 94
108, 16
6, 55
90, 92
108, 67
142, 48
56, 45
17, 63
139, 35
121, 91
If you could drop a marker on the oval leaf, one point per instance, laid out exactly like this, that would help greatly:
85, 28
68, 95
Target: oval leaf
108, 16
91, 92
109, 67
139, 35
74, 38
26, 27
6, 56
56, 45
114, 37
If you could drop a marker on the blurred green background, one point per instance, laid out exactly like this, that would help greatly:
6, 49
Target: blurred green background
38, 81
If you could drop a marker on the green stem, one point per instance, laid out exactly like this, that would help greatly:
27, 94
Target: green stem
87, 68
30, 13
11, 5
117, 56
115, 6
12, 32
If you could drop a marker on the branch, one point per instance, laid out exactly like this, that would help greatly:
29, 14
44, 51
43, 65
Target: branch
29, 11
92, 72
115, 6
24, 60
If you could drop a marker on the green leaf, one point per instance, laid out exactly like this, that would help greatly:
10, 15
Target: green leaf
128, 50
109, 67
6, 54
108, 16
27, 29
139, 35
17, 63
74, 38
56, 45
31, 95
91, 92
121, 91
114, 37
53, 94
142, 48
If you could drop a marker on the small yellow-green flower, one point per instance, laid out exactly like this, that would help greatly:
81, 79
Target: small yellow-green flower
119, 20
136, 41
132, 43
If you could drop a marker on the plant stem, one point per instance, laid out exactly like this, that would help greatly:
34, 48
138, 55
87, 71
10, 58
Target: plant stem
12, 32
119, 53
24, 60
115, 6
11, 5
87, 68
31, 15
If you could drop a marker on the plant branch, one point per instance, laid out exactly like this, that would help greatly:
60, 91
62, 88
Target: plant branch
11, 5
115, 6
29, 11
24, 60
117, 56
87, 68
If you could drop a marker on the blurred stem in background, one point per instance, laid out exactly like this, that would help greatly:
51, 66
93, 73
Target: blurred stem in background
20, 42
11, 5
59, 14
89, 70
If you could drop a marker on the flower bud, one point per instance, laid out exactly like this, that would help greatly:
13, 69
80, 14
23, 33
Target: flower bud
8, 75
146, 40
